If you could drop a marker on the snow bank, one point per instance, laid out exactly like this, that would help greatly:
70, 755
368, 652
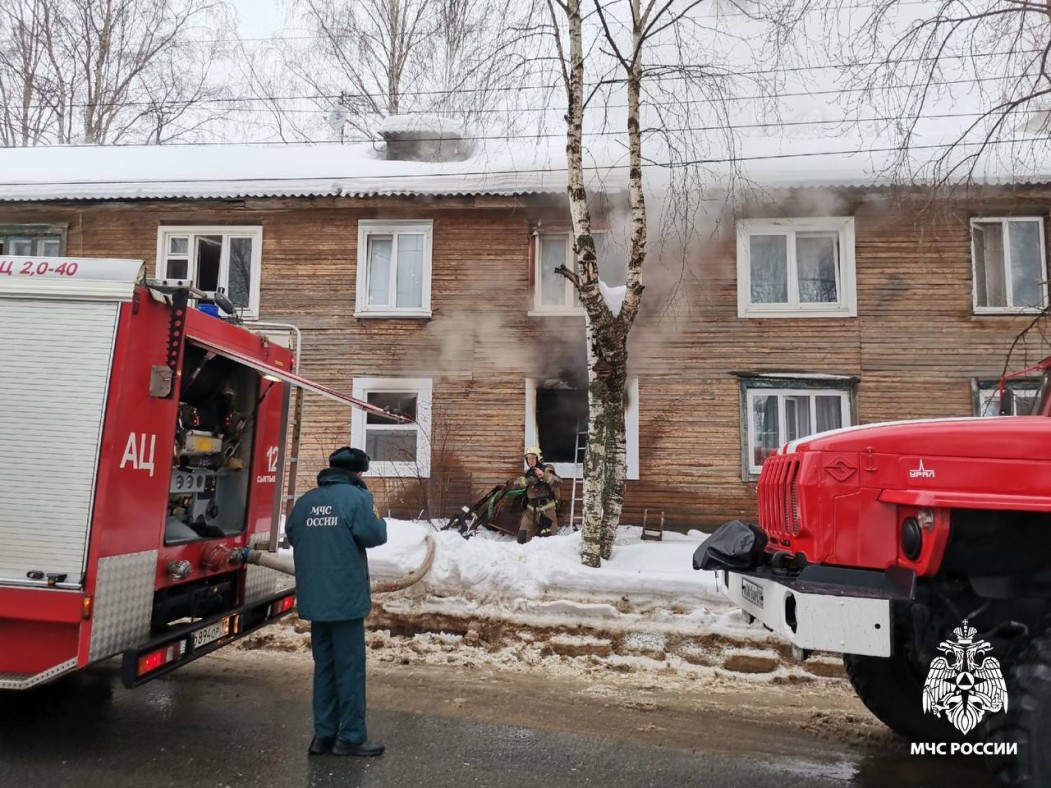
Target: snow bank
493, 567
491, 601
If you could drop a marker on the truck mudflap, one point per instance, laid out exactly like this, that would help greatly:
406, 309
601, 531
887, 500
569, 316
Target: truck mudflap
177, 648
847, 618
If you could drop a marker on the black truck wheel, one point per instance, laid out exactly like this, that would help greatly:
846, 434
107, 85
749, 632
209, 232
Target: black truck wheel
892, 689
1027, 721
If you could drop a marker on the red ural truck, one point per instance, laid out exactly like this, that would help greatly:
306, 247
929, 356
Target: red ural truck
143, 451
880, 541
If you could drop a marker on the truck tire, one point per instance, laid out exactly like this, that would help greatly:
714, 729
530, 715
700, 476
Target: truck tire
1027, 721
892, 690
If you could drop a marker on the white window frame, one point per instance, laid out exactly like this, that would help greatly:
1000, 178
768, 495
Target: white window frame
752, 391
1010, 309
847, 306
367, 227
255, 232
569, 470
423, 388
987, 392
571, 306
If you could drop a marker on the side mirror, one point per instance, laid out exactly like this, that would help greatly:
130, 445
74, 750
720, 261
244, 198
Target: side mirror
1007, 402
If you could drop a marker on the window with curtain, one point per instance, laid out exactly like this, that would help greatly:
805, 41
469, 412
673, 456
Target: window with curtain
775, 415
796, 267
555, 293
394, 269
1009, 265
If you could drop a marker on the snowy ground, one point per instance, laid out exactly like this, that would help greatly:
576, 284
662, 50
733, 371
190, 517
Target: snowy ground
490, 601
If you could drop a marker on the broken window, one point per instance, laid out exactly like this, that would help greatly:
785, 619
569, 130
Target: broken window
394, 449
214, 257
562, 423
388, 441
557, 422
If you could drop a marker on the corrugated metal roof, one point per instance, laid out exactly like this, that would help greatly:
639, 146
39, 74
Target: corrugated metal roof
290, 170
234, 171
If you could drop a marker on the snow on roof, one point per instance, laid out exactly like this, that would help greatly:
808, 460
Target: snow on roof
773, 157
428, 125
274, 170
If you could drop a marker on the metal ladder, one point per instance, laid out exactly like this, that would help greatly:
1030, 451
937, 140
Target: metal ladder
578, 458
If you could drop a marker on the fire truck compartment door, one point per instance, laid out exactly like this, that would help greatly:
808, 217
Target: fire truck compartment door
54, 378
284, 375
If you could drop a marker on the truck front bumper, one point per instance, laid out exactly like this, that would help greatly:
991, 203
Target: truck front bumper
832, 619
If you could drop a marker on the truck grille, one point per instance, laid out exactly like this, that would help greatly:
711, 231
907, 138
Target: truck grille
778, 498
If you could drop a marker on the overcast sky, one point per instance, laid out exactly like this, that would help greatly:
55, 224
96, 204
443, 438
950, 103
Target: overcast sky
259, 18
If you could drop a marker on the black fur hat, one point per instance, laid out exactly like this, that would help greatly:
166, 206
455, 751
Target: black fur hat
349, 459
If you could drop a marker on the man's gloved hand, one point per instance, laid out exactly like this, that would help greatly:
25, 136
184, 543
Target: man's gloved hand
533, 474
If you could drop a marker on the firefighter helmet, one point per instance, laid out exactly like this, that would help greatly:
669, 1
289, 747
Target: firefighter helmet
534, 450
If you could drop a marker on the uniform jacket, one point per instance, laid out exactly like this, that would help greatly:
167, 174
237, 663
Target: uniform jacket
329, 529
542, 493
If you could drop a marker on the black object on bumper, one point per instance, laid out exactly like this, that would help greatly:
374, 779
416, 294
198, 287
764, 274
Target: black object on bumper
734, 545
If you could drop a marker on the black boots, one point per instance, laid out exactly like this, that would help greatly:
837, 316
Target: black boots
319, 745
366, 749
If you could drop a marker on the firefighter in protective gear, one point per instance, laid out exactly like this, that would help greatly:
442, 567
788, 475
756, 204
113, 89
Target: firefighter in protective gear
539, 516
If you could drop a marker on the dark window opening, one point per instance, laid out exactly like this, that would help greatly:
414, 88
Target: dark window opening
209, 252
562, 423
403, 402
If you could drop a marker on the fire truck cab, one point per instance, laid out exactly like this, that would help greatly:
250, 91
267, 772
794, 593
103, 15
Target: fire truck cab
881, 541
143, 448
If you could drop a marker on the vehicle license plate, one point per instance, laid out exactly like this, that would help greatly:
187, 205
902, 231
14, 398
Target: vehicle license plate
209, 633
752, 592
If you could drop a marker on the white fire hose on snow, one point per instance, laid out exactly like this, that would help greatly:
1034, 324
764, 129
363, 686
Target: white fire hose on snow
286, 564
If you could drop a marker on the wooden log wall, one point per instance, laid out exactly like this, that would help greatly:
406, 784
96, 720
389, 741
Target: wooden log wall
915, 347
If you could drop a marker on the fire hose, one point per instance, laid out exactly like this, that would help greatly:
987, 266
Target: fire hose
287, 565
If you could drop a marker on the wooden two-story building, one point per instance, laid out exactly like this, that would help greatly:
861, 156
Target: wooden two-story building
428, 287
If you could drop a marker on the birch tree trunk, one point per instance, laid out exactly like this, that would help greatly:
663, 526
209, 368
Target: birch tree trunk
606, 334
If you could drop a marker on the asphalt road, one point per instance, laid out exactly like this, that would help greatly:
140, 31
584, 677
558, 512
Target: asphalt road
241, 720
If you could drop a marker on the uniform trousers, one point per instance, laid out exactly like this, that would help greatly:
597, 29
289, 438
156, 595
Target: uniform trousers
339, 679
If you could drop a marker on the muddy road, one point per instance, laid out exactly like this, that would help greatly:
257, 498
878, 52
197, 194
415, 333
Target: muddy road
243, 718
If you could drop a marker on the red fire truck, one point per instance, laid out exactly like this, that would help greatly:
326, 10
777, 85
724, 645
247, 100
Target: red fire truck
885, 541
143, 449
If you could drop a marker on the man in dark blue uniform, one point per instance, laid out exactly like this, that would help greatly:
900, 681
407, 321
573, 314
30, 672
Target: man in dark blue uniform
329, 529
